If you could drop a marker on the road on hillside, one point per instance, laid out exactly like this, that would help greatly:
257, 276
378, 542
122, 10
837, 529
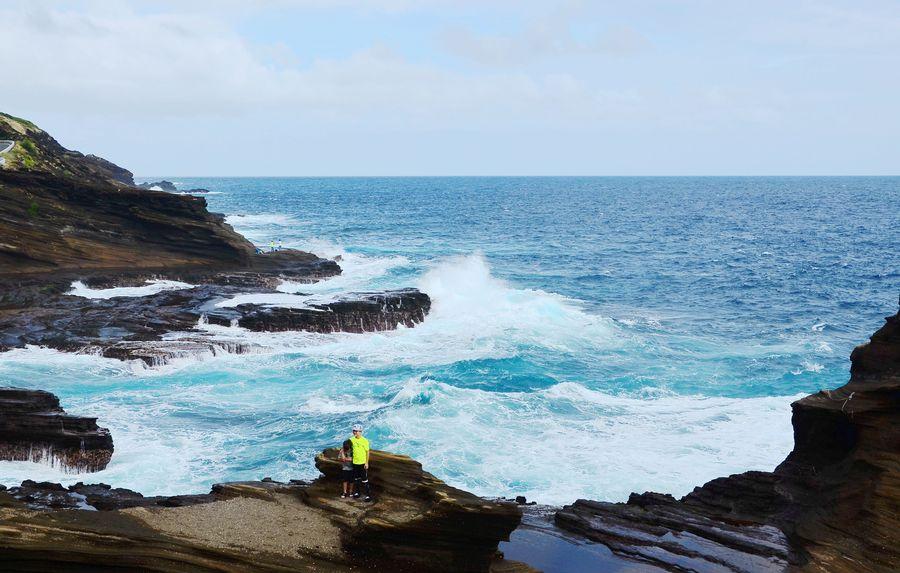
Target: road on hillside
5, 145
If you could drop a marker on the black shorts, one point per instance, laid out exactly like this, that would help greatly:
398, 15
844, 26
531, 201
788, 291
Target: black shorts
360, 472
346, 475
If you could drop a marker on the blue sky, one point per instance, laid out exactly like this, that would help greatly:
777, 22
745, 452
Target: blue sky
435, 87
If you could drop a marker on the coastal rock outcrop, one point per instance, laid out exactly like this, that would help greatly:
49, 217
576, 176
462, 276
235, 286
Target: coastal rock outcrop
832, 506
142, 327
60, 210
416, 523
355, 312
34, 428
67, 218
170, 187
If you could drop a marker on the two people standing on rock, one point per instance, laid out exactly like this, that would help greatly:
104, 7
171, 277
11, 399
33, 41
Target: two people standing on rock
354, 458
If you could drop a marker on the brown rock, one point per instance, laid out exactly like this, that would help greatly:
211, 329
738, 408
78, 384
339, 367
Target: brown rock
417, 522
832, 506
34, 428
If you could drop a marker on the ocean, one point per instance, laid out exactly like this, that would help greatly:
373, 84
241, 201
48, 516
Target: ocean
589, 337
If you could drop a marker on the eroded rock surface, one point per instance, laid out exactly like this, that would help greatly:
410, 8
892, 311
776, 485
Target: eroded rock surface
139, 328
355, 312
34, 428
67, 217
416, 523
832, 506
170, 187
61, 210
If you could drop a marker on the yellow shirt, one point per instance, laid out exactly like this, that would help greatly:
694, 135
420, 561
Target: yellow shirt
360, 450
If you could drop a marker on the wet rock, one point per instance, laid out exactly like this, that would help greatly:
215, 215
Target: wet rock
96, 497
357, 312
162, 186
832, 506
139, 328
169, 187
34, 428
68, 217
658, 530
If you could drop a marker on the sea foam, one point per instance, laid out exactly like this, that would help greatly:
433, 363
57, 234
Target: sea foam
151, 287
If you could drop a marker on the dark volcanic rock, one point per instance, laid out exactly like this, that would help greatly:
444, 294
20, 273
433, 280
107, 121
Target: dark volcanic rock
34, 428
661, 531
169, 187
98, 496
358, 312
418, 522
832, 506
137, 328
36, 312
67, 217
163, 186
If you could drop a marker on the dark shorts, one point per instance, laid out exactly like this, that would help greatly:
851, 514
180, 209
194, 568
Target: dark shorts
346, 475
360, 472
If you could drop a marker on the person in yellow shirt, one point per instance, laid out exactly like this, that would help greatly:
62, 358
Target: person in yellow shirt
360, 462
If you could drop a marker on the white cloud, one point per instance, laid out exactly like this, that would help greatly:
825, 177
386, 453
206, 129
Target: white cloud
545, 37
556, 87
176, 65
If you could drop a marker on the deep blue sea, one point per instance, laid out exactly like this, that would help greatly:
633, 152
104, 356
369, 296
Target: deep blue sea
589, 337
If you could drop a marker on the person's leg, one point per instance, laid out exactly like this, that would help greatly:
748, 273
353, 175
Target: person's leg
361, 480
364, 482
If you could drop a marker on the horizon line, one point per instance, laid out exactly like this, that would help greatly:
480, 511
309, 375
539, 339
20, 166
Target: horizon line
498, 176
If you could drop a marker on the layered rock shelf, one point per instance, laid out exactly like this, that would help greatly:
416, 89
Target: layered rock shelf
67, 217
416, 523
63, 210
34, 428
139, 328
832, 506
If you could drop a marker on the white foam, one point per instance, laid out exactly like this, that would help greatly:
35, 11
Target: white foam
473, 316
275, 299
567, 441
176, 461
345, 404
151, 287
358, 271
808, 366
261, 220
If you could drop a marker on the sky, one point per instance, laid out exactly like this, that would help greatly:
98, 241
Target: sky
462, 87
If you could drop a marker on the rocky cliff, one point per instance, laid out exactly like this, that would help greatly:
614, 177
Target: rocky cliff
60, 210
34, 428
832, 506
67, 217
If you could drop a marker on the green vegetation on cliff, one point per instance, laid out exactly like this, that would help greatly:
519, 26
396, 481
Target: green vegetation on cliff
61, 209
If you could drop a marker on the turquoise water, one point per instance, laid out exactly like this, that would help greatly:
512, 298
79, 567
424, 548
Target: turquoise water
589, 337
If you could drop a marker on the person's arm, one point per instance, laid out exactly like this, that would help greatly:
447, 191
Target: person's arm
368, 449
